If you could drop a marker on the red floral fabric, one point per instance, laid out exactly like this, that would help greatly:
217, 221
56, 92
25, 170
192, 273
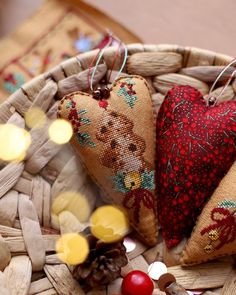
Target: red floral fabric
196, 145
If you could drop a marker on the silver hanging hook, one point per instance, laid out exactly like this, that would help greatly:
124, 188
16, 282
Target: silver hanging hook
99, 58
212, 100
105, 92
125, 57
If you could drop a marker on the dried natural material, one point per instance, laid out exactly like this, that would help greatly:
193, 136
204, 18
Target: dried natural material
49, 169
103, 264
5, 255
163, 83
207, 73
208, 275
154, 63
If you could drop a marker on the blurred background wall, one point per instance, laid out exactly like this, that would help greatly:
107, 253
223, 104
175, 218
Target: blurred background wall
209, 24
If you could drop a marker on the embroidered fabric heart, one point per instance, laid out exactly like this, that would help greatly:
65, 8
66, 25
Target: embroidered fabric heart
215, 233
115, 140
195, 149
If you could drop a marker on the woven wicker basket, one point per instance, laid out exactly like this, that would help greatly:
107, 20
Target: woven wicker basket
27, 189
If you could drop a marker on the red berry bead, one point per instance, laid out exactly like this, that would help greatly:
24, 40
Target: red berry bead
137, 283
103, 104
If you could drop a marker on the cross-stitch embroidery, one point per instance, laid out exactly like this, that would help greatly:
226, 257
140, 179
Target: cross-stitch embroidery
223, 230
127, 91
123, 152
124, 182
13, 81
77, 120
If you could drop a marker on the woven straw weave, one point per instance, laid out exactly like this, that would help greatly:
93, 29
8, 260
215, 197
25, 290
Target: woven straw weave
27, 189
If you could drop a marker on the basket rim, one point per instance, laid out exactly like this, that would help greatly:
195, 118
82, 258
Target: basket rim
80, 63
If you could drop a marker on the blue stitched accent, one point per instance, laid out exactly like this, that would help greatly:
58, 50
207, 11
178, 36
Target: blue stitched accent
148, 180
86, 121
123, 91
69, 105
227, 204
18, 79
82, 112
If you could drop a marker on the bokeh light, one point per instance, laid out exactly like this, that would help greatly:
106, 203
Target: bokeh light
129, 244
35, 118
14, 142
72, 248
109, 224
60, 131
74, 202
156, 269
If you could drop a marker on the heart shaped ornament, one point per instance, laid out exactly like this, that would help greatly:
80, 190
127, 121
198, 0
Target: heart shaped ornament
195, 149
115, 139
215, 232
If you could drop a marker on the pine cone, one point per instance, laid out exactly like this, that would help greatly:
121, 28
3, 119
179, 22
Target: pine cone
103, 264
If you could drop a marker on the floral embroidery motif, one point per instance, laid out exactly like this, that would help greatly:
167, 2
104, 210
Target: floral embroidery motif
13, 82
223, 230
127, 92
77, 121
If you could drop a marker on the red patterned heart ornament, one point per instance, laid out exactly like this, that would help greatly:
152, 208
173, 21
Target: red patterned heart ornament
196, 146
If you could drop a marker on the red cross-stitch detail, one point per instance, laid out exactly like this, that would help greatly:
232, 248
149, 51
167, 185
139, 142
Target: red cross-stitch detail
137, 198
225, 224
130, 89
74, 117
195, 149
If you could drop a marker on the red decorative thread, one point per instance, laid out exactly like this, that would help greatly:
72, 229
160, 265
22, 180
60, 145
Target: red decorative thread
137, 197
73, 117
91, 65
103, 42
114, 61
101, 47
225, 223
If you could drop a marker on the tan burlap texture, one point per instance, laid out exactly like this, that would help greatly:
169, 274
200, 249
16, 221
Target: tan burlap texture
214, 234
117, 145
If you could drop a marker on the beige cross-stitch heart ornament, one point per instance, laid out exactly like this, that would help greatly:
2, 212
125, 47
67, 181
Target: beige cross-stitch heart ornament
215, 232
114, 138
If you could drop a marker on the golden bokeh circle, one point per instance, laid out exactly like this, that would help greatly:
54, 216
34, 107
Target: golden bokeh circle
14, 142
60, 131
109, 224
72, 248
74, 202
